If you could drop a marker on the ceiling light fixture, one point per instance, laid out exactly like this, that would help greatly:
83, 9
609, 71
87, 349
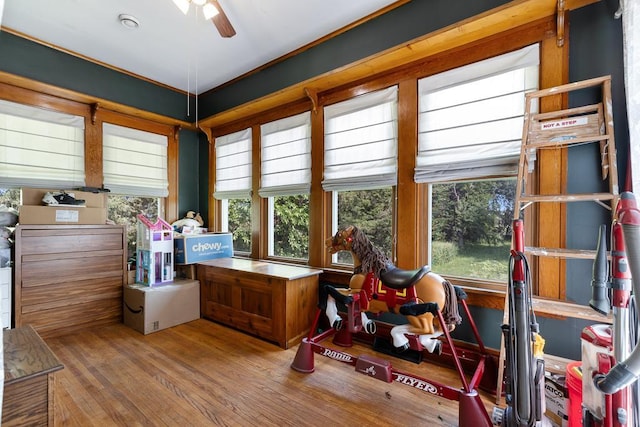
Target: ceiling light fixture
209, 10
129, 21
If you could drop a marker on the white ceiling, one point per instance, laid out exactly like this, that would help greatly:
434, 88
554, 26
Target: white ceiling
179, 50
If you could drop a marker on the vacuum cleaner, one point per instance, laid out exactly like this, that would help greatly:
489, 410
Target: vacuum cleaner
524, 368
610, 368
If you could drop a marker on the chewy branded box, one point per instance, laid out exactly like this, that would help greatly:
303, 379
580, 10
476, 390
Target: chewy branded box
32, 210
150, 309
190, 249
556, 399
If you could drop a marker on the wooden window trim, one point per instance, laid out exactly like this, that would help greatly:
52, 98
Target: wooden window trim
411, 225
94, 117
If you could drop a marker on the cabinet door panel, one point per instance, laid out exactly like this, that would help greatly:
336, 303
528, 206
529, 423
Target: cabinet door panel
220, 293
256, 302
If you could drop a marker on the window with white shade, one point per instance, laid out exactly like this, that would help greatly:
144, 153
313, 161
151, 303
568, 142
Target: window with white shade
470, 118
233, 165
40, 148
134, 161
285, 180
361, 142
469, 139
233, 186
285, 157
360, 165
134, 167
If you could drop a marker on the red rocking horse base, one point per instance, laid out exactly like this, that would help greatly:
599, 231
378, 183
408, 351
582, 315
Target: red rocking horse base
471, 410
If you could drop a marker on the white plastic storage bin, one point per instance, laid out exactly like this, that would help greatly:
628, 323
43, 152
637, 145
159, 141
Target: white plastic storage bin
5, 297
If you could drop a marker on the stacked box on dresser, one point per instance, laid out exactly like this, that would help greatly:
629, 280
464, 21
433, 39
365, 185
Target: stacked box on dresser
32, 210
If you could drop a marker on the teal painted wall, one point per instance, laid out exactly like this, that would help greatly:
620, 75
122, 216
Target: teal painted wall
41, 63
407, 22
193, 174
188, 173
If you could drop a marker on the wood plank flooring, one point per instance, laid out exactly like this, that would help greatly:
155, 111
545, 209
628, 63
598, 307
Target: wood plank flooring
205, 374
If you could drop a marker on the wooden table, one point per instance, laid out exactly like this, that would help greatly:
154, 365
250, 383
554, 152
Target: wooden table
29, 365
276, 302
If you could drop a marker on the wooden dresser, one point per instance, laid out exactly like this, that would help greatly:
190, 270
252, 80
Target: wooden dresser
69, 277
29, 367
273, 301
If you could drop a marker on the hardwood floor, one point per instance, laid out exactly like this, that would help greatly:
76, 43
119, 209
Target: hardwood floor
204, 374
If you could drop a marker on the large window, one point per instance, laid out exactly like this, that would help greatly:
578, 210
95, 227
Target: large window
134, 161
361, 149
471, 228
233, 186
135, 172
236, 219
289, 226
40, 148
124, 210
369, 210
10, 198
285, 180
470, 130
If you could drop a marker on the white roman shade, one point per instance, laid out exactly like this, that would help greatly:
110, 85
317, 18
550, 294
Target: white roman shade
134, 161
40, 148
470, 118
286, 156
361, 142
233, 166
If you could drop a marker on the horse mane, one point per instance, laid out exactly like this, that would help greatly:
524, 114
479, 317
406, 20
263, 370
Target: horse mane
371, 258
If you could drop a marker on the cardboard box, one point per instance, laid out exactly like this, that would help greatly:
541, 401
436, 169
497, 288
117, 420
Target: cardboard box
556, 399
61, 215
32, 210
150, 309
190, 249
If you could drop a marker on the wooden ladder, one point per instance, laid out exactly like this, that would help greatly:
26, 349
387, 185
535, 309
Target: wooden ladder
560, 129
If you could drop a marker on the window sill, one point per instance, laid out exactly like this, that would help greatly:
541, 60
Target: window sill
543, 307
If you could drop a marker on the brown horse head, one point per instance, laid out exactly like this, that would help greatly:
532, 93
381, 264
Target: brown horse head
366, 257
341, 241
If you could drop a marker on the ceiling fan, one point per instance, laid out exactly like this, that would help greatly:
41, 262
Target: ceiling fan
211, 9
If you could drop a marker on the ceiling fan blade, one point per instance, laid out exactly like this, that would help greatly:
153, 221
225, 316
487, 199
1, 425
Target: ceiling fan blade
222, 22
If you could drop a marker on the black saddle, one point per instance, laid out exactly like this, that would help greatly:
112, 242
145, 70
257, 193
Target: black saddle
397, 278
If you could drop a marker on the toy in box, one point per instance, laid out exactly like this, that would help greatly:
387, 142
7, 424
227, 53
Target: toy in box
154, 252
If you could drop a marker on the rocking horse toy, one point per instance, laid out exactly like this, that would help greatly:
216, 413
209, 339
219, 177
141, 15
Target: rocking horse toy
381, 287
430, 305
